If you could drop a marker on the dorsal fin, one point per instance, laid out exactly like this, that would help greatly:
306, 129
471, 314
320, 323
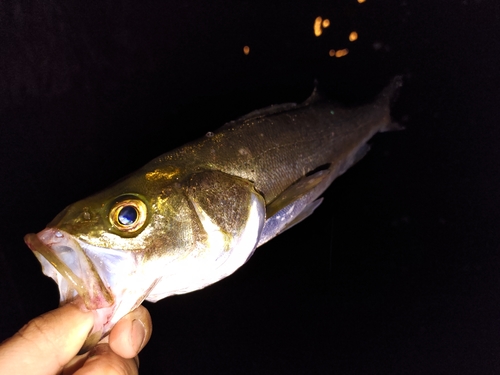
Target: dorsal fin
279, 108
271, 110
315, 96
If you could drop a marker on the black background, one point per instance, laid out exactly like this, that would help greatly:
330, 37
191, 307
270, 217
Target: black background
397, 271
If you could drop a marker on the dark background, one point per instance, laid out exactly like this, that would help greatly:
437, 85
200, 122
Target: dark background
397, 271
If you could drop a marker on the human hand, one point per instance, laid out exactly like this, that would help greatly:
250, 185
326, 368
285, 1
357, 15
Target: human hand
49, 344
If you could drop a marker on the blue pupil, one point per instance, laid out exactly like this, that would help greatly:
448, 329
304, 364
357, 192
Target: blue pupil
127, 215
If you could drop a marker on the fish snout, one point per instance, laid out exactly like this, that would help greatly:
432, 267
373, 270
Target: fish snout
63, 259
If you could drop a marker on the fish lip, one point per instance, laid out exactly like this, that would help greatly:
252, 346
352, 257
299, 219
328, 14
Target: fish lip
48, 245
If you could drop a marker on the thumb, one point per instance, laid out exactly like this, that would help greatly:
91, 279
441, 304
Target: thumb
46, 343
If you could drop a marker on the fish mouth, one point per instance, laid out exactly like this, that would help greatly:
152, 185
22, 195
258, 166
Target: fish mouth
108, 282
63, 260
75, 273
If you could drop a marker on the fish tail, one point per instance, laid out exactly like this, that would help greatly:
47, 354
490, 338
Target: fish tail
385, 100
390, 92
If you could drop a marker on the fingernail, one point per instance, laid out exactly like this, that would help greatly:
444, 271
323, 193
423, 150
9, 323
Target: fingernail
138, 334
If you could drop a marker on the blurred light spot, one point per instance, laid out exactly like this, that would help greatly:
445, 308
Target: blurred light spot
353, 36
341, 52
317, 26
326, 23
246, 50
331, 52
361, 1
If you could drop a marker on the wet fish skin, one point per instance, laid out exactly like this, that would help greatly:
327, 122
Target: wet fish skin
204, 207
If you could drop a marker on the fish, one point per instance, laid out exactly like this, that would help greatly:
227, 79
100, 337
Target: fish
194, 215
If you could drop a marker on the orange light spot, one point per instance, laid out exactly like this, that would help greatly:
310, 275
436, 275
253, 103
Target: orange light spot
353, 36
326, 23
331, 52
341, 52
317, 26
246, 50
361, 1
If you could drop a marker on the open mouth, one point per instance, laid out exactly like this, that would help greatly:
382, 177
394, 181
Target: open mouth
109, 282
63, 260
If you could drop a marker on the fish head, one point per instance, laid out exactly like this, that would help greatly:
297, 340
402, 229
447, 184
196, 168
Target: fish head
147, 237
108, 251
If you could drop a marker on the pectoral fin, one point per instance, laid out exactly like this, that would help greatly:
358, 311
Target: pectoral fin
295, 191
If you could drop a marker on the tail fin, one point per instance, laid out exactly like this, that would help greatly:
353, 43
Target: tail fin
386, 98
390, 93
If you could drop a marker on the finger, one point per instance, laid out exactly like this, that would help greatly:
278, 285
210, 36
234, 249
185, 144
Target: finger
131, 333
102, 360
46, 343
73, 365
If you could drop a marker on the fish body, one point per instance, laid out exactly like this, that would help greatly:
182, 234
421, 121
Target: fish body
196, 214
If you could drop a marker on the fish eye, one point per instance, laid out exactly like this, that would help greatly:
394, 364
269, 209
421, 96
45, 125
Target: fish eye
128, 215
